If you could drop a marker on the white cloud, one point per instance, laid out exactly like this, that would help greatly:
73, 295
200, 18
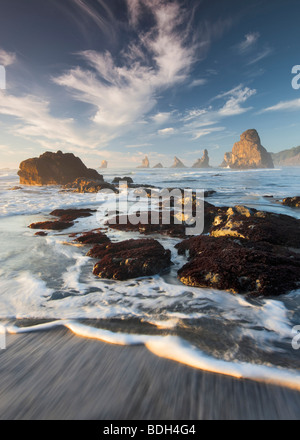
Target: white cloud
35, 120
249, 42
238, 96
198, 82
161, 118
166, 131
284, 106
7, 58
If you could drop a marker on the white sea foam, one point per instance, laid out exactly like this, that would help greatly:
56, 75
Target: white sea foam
176, 349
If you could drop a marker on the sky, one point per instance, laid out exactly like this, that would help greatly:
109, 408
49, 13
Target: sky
117, 80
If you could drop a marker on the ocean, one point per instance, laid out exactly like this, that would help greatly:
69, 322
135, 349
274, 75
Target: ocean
47, 282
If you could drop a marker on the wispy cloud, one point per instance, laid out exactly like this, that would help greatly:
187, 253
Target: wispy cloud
261, 55
167, 131
292, 105
248, 43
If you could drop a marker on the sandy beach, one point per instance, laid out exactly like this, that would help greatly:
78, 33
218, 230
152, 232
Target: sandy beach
55, 375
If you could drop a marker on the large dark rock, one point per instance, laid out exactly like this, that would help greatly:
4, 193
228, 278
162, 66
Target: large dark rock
253, 225
239, 266
130, 259
54, 169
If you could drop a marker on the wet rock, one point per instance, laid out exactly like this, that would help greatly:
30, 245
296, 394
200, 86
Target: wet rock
130, 259
54, 169
117, 180
239, 266
292, 202
41, 234
68, 215
82, 185
52, 226
93, 237
253, 225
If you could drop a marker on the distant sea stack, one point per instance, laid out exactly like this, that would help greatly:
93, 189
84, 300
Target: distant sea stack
145, 163
177, 163
248, 153
54, 169
287, 158
204, 162
159, 165
104, 164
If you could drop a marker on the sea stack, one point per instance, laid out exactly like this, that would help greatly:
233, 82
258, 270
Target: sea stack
248, 153
104, 164
177, 163
55, 169
204, 162
145, 163
159, 165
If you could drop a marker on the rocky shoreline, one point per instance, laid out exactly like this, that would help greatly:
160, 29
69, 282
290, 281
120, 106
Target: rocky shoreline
242, 250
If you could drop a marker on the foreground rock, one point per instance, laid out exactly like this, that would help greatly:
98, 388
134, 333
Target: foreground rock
117, 180
239, 266
82, 185
245, 223
54, 169
292, 202
248, 153
130, 259
202, 163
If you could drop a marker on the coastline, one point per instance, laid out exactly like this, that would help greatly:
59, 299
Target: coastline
59, 376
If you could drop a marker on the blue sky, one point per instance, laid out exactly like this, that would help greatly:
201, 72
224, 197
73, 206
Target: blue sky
119, 79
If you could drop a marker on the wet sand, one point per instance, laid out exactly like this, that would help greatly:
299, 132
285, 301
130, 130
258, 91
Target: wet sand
56, 375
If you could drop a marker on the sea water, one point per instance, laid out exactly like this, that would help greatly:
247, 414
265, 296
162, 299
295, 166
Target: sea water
47, 282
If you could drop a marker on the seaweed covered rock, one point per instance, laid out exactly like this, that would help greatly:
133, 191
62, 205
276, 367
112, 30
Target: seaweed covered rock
253, 225
54, 169
239, 266
93, 237
69, 215
292, 202
56, 225
130, 259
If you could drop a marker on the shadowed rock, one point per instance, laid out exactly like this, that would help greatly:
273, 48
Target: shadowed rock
239, 266
54, 169
130, 259
117, 180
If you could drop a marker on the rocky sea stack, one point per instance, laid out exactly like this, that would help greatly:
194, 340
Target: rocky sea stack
177, 163
54, 169
145, 163
248, 153
204, 162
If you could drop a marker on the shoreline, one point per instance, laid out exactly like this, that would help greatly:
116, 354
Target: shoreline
57, 375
